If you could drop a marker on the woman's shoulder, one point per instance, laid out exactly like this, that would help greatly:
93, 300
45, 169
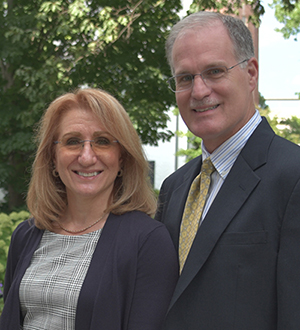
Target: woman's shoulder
24, 238
25, 230
137, 223
25, 227
136, 231
139, 220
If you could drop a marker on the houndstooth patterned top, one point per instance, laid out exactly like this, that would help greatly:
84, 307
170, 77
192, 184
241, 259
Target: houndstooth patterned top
51, 285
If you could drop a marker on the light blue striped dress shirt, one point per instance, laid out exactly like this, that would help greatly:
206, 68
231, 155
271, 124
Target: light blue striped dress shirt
224, 157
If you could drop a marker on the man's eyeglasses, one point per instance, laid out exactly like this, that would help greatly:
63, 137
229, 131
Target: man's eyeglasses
185, 81
75, 144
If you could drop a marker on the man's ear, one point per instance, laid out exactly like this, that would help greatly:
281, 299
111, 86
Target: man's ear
252, 69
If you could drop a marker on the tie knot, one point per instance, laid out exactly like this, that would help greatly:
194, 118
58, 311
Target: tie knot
207, 166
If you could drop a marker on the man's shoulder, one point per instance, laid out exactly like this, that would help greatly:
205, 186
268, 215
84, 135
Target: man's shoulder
287, 144
193, 166
286, 153
265, 141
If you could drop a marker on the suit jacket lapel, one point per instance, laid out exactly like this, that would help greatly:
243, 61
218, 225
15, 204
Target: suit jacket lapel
233, 194
177, 202
95, 274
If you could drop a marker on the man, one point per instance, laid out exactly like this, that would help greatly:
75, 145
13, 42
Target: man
241, 270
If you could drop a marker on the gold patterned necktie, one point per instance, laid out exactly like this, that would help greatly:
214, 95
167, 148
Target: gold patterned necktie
193, 209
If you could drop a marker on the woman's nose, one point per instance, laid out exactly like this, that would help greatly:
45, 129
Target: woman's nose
87, 155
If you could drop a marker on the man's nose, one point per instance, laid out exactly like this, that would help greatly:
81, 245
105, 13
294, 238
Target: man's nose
200, 88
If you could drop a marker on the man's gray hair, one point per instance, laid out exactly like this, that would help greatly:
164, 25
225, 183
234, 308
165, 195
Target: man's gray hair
238, 32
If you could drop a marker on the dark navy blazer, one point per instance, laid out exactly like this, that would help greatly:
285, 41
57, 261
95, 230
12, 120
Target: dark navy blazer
243, 270
128, 285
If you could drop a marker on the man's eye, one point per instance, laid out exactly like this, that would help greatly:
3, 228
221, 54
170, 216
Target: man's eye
214, 72
187, 78
102, 141
72, 142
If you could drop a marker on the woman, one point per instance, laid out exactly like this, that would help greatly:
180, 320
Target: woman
91, 257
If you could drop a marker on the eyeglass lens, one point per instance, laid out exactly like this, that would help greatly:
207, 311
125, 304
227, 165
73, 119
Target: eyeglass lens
76, 144
185, 81
210, 76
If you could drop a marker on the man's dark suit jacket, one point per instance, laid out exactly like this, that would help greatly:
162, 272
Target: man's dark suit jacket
243, 270
128, 285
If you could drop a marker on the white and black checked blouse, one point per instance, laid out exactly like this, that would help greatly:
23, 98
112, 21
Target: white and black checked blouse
51, 285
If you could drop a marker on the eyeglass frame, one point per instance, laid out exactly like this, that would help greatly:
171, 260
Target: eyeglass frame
82, 142
201, 75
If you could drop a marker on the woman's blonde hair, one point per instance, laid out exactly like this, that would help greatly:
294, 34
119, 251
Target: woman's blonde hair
47, 200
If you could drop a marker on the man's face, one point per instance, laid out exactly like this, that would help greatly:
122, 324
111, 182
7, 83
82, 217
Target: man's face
218, 111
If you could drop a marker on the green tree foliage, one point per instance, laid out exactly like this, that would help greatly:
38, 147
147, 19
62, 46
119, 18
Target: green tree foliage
291, 129
286, 128
194, 146
230, 7
51, 47
8, 223
288, 13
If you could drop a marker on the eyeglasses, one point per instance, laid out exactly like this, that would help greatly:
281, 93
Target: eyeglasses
76, 144
185, 81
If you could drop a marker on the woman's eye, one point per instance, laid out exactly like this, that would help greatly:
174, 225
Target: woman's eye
72, 142
102, 141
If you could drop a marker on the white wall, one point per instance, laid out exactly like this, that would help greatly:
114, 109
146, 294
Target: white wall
164, 154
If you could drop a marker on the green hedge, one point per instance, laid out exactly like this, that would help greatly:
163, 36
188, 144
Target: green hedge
8, 223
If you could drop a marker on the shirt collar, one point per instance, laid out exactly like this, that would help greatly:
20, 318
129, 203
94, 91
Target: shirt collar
226, 154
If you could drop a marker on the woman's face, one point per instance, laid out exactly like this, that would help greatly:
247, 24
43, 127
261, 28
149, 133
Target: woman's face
88, 170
